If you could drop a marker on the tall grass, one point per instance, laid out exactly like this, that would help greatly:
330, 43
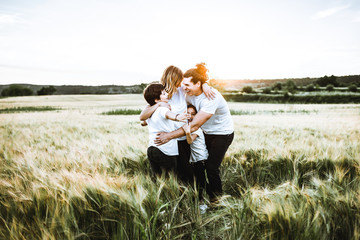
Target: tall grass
273, 112
80, 175
28, 109
123, 112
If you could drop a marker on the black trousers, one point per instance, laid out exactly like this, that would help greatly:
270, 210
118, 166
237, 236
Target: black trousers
184, 169
200, 178
159, 162
217, 146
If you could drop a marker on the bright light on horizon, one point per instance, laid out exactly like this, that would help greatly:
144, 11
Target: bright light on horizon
123, 43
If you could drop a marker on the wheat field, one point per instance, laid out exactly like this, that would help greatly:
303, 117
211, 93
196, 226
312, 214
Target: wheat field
292, 172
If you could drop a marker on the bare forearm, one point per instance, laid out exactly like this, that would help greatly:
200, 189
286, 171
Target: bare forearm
189, 138
200, 118
177, 133
195, 127
148, 111
181, 132
172, 116
164, 137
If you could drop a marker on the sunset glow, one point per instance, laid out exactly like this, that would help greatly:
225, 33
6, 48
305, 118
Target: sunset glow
129, 42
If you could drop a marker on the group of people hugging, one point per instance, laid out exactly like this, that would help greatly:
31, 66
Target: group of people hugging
190, 129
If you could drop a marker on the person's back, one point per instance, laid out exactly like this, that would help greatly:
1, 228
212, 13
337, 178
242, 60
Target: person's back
159, 123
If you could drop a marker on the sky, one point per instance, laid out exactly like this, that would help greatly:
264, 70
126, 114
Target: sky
124, 42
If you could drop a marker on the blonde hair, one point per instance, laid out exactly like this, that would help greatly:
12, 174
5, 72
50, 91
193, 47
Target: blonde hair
171, 80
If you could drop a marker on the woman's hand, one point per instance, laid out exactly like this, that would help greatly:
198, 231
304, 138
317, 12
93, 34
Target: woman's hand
187, 128
208, 91
183, 117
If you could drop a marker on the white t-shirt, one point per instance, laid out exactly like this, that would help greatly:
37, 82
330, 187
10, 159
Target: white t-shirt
198, 148
178, 106
221, 122
159, 123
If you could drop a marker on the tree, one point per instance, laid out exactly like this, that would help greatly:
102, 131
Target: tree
47, 90
324, 81
277, 86
266, 90
290, 86
330, 88
352, 88
310, 88
247, 89
16, 90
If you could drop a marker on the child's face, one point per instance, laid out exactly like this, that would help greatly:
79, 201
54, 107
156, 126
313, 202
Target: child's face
164, 96
192, 112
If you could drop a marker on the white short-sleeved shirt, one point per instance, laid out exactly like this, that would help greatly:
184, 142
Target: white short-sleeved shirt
159, 123
178, 106
221, 122
198, 148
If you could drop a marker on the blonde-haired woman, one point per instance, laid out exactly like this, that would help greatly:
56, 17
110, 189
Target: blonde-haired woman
171, 79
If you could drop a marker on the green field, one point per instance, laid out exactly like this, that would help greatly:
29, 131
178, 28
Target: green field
292, 172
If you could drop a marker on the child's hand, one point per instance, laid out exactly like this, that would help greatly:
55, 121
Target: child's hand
187, 128
183, 117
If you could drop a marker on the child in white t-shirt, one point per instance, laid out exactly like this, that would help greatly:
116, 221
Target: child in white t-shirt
162, 158
199, 152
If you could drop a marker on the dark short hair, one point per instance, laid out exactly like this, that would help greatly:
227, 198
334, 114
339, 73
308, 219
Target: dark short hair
152, 92
192, 106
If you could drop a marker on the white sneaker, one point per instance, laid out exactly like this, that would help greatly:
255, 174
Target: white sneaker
203, 208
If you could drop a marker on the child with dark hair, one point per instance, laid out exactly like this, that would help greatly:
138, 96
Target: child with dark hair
199, 154
162, 158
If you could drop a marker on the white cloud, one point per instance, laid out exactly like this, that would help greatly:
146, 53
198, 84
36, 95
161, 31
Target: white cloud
7, 19
329, 12
357, 18
121, 42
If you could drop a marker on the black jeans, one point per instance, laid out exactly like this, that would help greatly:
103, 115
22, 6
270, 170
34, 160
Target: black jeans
159, 162
200, 179
184, 169
217, 146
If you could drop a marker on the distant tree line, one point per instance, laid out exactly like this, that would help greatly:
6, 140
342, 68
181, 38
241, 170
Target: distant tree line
28, 90
289, 87
18, 90
47, 90
288, 98
282, 86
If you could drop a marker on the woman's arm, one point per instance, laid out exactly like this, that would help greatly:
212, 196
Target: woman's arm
209, 93
149, 110
177, 117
